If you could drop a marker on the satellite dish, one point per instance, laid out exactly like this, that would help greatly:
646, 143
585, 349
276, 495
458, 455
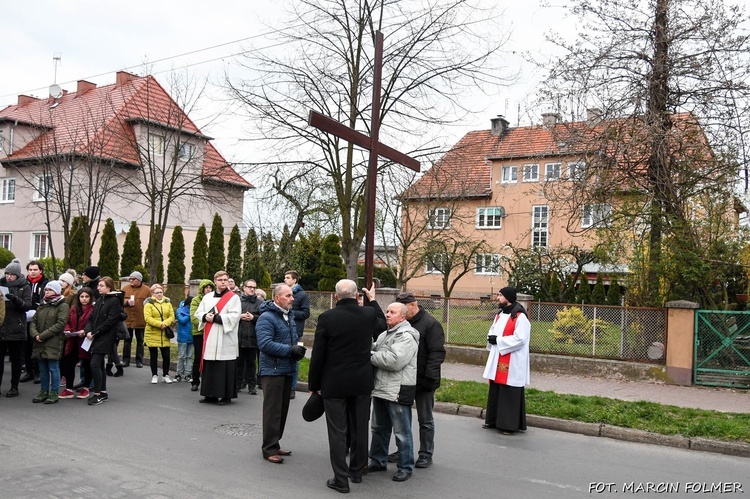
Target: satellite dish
55, 91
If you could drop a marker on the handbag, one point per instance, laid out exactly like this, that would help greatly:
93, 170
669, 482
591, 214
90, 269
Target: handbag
122, 331
168, 331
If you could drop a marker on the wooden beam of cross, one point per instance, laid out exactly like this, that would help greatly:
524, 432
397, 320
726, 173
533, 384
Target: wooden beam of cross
376, 149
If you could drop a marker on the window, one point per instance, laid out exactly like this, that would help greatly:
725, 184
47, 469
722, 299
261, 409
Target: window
186, 152
156, 144
439, 218
487, 264
43, 187
577, 171
552, 171
436, 263
6, 241
510, 175
539, 226
7, 190
530, 173
595, 214
40, 246
490, 218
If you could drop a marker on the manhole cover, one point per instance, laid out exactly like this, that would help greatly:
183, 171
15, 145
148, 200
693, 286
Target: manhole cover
240, 429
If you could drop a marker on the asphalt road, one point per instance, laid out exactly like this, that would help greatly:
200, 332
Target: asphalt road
157, 441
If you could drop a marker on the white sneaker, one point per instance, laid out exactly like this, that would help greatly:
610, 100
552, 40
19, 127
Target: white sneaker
154, 379
167, 379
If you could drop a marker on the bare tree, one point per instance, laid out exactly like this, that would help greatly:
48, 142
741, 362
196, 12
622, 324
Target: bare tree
433, 54
672, 80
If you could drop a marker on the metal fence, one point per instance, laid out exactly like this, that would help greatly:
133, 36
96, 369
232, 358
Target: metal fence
624, 333
722, 348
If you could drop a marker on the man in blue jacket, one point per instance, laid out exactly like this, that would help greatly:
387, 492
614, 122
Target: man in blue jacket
277, 340
300, 310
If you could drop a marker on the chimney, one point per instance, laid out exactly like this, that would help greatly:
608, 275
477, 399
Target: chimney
549, 120
499, 126
84, 86
26, 99
123, 77
593, 116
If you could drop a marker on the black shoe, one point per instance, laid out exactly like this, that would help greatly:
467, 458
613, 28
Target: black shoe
139, 364
423, 462
253, 391
401, 476
355, 479
119, 372
333, 484
96, 400
109, 370
393, 458
13, 392
292, 395
37, 380
78, 386
224, 401
126, 363
488, 426
194, 388
26, 377
371, 468
209, 400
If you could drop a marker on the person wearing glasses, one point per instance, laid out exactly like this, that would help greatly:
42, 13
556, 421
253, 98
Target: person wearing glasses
247, 361
135, 296
507, 367
159, 315
13, 329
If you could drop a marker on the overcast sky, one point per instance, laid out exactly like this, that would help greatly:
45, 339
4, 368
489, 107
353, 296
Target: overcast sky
95, 39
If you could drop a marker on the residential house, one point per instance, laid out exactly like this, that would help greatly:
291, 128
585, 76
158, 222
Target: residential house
519, 187
125, 151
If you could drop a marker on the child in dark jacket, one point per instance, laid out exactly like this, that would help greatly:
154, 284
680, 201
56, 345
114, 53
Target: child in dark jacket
184, 342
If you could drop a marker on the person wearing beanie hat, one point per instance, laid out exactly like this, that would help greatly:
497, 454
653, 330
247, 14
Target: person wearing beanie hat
13, 331
55, 286
90, 278
48, 339
67, 281
135, 294
507, 367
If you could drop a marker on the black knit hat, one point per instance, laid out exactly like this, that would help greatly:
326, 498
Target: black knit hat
509, 293
91, 272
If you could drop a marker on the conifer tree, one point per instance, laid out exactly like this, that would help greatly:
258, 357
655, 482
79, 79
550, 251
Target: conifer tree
269, 258
252, 267
132, 253
160, 270
216, 259
199, 267
80, 244
306, 258
613, 295
599, 293
176, 267
285, 251
584, 290
331, 266
234, 255
109, 256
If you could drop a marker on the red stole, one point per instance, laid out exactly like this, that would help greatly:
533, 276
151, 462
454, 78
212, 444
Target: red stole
503, 362
206, 330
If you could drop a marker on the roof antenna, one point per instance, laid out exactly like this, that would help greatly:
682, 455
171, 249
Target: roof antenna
56, 59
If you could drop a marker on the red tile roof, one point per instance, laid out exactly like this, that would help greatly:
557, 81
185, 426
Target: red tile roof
98, 121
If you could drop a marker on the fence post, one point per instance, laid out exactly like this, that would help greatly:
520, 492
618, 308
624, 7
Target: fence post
593, 341
680, 338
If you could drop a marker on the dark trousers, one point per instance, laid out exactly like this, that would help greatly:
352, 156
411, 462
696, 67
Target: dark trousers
14, 350
32, 365
137, 334
348, 425
153, 353
198, 355
246, 367
425, 402
276, 391
98, 372
114, 357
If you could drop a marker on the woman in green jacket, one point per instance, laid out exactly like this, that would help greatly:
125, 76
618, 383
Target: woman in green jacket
47, 333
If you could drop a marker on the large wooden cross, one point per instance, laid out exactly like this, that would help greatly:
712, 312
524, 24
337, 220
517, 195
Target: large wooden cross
374, 146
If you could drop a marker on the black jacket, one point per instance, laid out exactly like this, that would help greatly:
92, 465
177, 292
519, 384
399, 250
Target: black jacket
340, 365
247, 337
19, 302
431, 352
37, 291
103, 322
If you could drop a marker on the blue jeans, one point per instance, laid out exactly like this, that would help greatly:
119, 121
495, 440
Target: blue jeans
387, 416
184, 359
49, 374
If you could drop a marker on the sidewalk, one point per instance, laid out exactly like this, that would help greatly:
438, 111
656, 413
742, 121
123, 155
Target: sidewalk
696, 397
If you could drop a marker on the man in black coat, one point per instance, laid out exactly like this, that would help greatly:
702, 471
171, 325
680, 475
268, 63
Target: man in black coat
430, 357
340, 370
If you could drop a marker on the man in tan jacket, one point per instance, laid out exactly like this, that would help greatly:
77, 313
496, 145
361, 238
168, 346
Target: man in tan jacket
135, 294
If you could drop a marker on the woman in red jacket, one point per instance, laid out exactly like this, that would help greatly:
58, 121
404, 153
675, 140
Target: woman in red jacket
74, 334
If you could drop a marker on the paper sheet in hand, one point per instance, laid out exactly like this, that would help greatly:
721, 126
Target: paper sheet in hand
86, 344
5, 292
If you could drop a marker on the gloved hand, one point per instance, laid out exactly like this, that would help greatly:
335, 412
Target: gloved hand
298, 352
492, 339
16, 301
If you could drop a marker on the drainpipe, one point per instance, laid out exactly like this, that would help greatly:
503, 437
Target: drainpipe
10, 146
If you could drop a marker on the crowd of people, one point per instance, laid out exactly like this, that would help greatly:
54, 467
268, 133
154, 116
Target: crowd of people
367, 369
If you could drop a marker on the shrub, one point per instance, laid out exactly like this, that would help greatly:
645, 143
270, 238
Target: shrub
572, 326
6, 256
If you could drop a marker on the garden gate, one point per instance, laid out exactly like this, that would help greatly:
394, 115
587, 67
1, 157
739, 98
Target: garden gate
722, 348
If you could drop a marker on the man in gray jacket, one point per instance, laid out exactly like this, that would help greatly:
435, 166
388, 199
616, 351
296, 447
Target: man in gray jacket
394, 356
